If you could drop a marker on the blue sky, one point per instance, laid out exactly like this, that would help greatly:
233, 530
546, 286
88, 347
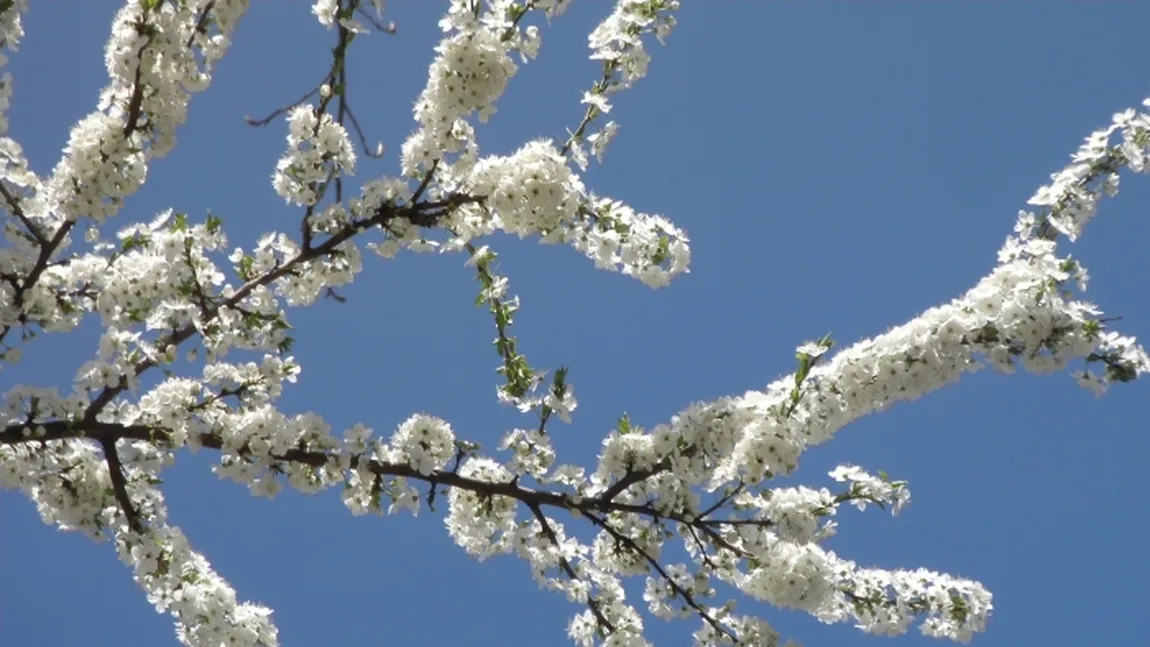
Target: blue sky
839, 167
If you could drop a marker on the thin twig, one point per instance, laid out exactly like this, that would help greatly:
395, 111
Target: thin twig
592, 603
251, 121
686, 595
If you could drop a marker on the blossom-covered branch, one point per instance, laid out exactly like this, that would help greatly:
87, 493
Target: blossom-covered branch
90, 456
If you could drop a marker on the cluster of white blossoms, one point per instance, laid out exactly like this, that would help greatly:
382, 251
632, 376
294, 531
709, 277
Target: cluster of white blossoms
155, 57
426, 443
318, 148
618, 38
158, 53
534, 191
470, 72
483, 525
91, 457
532, 452
13, 166
618, 43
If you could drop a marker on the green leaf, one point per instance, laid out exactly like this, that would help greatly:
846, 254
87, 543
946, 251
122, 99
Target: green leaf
244, 267
663, 251
181, 223
133, 242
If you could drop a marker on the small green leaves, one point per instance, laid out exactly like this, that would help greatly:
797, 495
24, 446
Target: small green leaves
960, 608
520, 377
285, 344
806, 356
133, 241
515, 12
244, 267
664, 250
180, 223
214, 223
559, 385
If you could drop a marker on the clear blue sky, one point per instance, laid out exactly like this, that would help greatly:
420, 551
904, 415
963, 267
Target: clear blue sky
838, 167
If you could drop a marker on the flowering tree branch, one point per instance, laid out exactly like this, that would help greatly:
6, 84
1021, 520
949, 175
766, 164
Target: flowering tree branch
108, 434
91, 459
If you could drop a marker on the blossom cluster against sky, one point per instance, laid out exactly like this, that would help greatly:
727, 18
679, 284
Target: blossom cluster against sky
838, 168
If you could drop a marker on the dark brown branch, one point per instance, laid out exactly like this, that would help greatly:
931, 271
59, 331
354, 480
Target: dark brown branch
423, 184
102, 432
684, 594
251, 121
722, 501
631, 478
706, 528
18, 211
711, 523
565, 564
595, 509
336, 82
136, 101
704, 555
359, 131
119, 485
223, 393
201, 23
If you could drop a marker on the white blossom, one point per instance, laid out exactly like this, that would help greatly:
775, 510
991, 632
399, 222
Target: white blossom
193, 352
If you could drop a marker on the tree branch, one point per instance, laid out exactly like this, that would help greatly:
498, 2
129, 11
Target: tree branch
549, 532
119, 485
686, 595
104, 432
